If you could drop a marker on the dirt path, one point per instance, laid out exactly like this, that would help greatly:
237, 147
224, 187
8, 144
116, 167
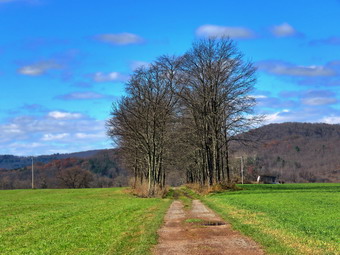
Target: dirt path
198, 231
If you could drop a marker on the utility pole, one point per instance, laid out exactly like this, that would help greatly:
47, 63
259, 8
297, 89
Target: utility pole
242, 173
32, 174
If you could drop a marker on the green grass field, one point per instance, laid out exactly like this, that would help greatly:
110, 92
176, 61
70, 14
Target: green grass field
83, 221
285, 219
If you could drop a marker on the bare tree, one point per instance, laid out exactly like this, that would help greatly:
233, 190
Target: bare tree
141, 121
75, 177
216, 92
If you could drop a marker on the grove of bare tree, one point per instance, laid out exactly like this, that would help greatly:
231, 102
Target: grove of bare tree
141, 121
183, 111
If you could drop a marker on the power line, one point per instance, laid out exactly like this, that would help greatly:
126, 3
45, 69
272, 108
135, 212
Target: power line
32, 174
242, 174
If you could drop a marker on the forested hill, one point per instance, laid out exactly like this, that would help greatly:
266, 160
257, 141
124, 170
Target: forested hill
14, 162
293, 129
297, 152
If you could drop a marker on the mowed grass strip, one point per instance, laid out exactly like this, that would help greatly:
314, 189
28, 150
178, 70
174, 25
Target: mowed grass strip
285, 219
83, 221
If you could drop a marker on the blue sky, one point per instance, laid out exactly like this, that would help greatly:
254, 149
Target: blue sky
63, 63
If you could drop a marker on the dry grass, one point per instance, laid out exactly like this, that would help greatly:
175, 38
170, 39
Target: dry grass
142, 190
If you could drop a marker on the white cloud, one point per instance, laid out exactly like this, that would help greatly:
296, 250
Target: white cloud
305, 114
38, 68
331, 120
52, 137
281, 68
83, 96
31, 70
105, 77
318, 101
303, 70
283, 30
9, 131
277, 116
259, 96
57, 131
17, 145
120, 39
137, 64
223, 31
64, 115
89, 136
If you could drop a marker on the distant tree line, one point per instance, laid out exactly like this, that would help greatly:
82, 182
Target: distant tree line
15, 162
276, 154
181, 113
98, 171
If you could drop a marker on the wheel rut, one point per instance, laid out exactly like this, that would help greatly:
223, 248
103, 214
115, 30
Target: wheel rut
200, 231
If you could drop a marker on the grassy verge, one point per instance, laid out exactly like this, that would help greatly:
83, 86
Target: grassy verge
285, 219
86, 221
184, 194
